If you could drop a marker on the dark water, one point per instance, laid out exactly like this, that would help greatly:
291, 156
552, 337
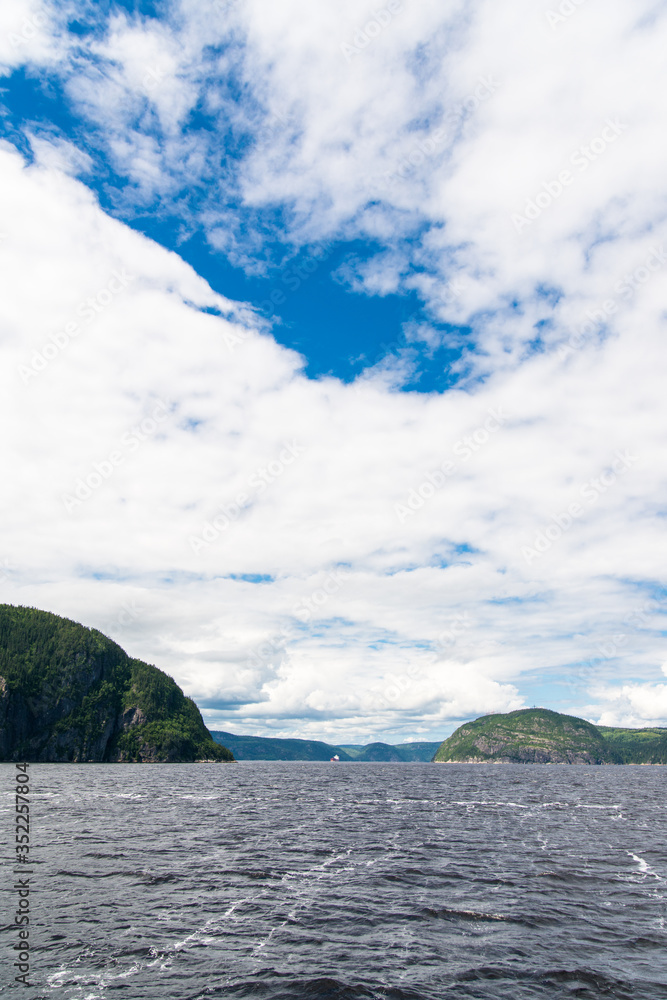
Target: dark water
295, 880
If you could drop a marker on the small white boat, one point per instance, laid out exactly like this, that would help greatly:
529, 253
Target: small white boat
335, 757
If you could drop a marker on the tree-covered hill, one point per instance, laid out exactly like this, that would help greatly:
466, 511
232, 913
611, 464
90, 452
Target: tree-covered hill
379, 752
417, 753
274, 748
529, 736
421, 752
68, 693
637, 746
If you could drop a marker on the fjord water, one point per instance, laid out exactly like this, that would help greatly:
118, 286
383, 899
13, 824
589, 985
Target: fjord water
308, 880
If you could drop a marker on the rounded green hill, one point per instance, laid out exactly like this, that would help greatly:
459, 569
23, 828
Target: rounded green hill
70, 694
529, 736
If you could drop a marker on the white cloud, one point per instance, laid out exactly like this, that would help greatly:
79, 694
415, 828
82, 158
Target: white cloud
58, 154
235, 403
332, 140
26, 34
633, 705
441, 131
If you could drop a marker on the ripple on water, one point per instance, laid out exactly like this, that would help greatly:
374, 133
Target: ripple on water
393, 882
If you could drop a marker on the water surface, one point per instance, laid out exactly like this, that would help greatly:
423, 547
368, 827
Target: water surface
313, 880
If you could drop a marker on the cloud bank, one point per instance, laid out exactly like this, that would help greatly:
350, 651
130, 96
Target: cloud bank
309, 557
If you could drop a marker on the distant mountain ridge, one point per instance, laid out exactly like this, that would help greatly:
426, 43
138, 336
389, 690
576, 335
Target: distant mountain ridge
70, 694
274, 748
637, 746
268, 748
405, 752
541, 736
528, 736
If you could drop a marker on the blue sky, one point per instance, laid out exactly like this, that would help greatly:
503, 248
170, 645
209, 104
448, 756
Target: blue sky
300, 290
333, 349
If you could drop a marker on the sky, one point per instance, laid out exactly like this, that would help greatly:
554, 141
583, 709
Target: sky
333, 361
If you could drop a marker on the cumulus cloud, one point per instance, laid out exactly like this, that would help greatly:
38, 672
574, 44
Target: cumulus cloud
633, 705
298, 549
315, 558
502, 148
27, 35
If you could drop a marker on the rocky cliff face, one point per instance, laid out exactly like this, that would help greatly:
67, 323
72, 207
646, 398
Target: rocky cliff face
530, 736
70, 694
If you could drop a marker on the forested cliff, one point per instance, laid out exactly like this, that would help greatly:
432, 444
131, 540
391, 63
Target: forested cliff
68, 693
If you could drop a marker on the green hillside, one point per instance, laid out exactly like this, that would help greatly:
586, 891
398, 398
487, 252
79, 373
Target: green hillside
274, 748
422, 752
529, 736
415, 752
68, 693
379, 752
637, 746
270, 748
